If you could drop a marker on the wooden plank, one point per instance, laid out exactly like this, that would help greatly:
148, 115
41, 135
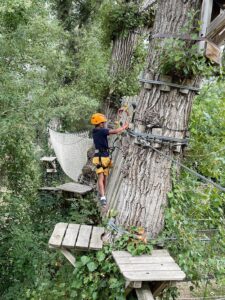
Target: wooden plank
220, 38
154, 276
96, 242
144, 293
133, 284
51, 170
48, 188
159, 288
71, 236
84, 237
206, 13
69, 256
77, 188
57, 235
48, 158
213, 53
149, 267
154, 253
216, 26
144, 259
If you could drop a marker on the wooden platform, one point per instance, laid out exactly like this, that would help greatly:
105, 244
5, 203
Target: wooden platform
141, 272
159, 266
48, 158
67, 237
48, 189
76, 188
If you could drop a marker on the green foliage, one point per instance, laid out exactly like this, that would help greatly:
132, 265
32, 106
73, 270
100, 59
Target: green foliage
194, 208
134, 242
120, 17
208, 131
75, 13
182, 59
93, 66
84, 211
195, 216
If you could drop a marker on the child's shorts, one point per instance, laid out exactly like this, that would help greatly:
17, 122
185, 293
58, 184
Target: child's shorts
103, 165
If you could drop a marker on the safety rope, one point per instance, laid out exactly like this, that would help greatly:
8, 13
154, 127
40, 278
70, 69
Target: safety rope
144, 138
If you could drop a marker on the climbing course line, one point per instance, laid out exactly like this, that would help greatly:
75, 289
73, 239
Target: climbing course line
144, 138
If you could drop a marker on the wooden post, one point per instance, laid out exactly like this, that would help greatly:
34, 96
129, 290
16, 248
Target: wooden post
206, 13
144, 293
164, 87
148, 86
157, 143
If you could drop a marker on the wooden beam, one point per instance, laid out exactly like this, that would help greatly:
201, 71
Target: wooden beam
220, 38
160, 287
69, 256
216, 27
213, 53
58, 235
206, 13
144, 293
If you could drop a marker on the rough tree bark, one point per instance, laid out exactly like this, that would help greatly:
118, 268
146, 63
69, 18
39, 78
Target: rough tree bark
146, 181
123, 50
122, 53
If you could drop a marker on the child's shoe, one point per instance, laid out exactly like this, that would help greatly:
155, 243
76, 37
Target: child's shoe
104, 206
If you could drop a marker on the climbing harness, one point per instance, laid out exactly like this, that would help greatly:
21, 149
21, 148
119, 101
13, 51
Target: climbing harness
99, 152
146, 139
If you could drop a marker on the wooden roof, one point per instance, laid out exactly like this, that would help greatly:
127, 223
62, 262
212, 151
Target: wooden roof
159, 266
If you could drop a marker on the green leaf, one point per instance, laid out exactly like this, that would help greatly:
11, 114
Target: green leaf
100, 256
92, 266
85, 260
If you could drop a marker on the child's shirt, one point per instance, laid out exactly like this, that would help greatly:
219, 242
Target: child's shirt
101, 141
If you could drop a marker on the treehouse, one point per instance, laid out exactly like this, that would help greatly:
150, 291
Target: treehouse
213, 29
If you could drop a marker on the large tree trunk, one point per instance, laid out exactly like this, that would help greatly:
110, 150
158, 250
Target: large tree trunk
120, 64
122, 53
142, 196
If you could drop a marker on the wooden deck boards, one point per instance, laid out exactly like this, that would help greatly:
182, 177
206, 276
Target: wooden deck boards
73, 187
159, 266
70, 238
57, 235
75, 236
83, 239
96, 242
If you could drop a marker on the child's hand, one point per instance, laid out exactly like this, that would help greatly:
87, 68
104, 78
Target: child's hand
126, 125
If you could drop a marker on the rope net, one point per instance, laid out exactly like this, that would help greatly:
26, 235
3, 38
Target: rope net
71, 151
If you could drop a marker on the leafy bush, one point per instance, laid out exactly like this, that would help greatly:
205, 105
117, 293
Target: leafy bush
182, 61
182, 58
118, 18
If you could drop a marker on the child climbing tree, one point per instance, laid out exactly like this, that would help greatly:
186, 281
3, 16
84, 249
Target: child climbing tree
143, 195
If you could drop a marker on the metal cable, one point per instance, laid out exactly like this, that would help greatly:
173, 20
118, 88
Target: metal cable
144, 139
